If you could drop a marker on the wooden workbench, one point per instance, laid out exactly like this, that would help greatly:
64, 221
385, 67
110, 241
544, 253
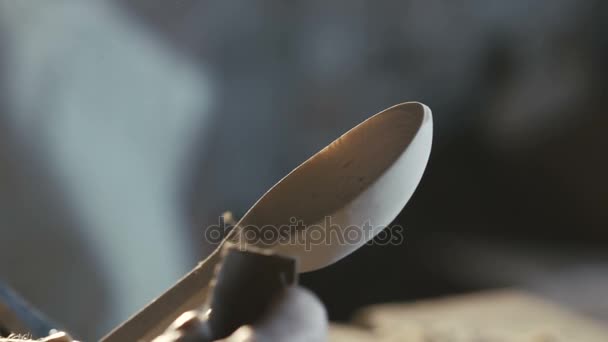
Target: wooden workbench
495, 316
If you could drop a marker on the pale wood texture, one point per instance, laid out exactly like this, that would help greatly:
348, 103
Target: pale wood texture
496, 316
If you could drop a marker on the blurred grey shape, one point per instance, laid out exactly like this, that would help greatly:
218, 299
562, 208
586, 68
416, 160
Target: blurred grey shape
107, 111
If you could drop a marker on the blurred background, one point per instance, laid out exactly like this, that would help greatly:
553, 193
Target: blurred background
126, 127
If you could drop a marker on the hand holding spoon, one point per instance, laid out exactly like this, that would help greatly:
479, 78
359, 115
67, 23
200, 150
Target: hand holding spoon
362, 179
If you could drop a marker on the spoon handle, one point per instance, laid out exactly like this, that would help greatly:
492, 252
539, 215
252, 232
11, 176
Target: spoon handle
188, 293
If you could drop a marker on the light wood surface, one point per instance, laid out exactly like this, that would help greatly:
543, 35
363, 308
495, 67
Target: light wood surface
497, 316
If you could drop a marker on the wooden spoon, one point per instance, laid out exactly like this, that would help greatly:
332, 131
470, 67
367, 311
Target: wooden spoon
351, 190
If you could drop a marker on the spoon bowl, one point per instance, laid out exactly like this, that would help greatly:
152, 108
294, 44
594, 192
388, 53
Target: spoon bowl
341, 197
